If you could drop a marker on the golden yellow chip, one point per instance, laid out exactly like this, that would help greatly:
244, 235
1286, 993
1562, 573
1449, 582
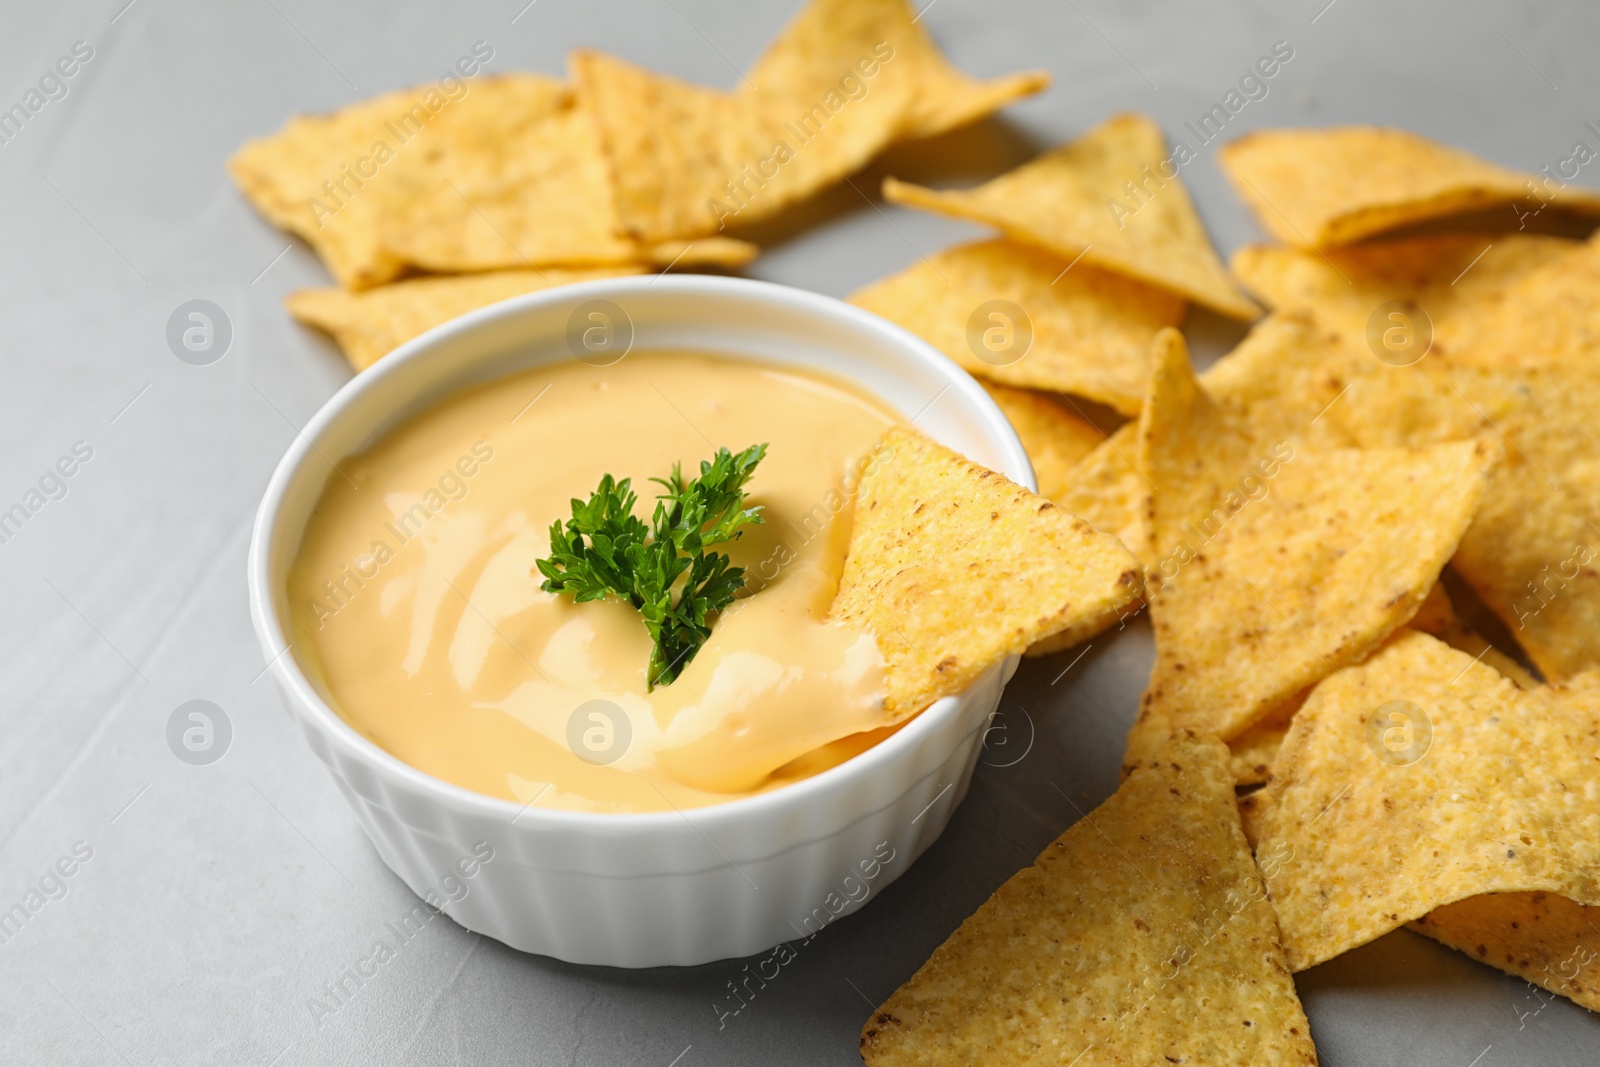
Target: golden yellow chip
686, 161
1546, 317
1055, 438
1015, 314
1334, 186
1547, 939
1275, 565
1551, 941
1113, 197
1405, 298
1421, 778
327, 178
371, 324
1281, 379
513, 176
1532, 552
832, 39
954, 568
1140, 936
1529, 374
1255, 750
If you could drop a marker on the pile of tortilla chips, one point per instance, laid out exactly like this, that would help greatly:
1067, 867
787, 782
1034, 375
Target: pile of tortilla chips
540, 182
1406, 431
1327, 749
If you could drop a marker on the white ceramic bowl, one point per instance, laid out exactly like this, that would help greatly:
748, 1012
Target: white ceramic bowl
663, 887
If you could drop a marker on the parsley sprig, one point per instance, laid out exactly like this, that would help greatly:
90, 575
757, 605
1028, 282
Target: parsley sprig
664, 570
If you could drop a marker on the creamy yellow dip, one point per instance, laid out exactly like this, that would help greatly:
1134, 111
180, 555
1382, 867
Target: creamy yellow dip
416, 605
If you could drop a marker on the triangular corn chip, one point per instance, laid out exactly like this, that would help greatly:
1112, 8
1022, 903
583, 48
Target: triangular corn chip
327, 178
1280, 379
1257, 747
1533, 552
1283, 380
954, 568
370, 324
513, 176
1328, 187
1256, 750
1140, 936
1105, 197
1013, 313
829, 36
1545, 938
1056, 439
1442, 287
1276, 565
844, 80
1549, 316
1529, 374
686, 161
1421, 778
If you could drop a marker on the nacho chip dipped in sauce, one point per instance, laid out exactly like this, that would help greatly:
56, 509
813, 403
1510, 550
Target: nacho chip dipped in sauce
420, 613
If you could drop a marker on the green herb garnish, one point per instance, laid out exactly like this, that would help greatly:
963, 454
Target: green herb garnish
604, 549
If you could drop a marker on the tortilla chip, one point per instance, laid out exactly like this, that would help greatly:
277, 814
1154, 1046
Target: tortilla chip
1056, 439
513, 176
1454, 280
1551, 941
954, 568
1550, 316
1074, 201
829, 37
1140, 936
1533, 553
371, 324
1080, 331
1547, 939
305, 179
1418, 779
1277, 565
1280, 380
685, 161
1334, 186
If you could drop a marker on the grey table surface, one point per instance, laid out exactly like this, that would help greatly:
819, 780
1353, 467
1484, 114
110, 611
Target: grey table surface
218, 900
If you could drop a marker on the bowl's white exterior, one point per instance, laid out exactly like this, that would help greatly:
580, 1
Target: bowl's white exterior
643, 890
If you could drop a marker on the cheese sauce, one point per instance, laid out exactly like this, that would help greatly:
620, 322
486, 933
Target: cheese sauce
416, 605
